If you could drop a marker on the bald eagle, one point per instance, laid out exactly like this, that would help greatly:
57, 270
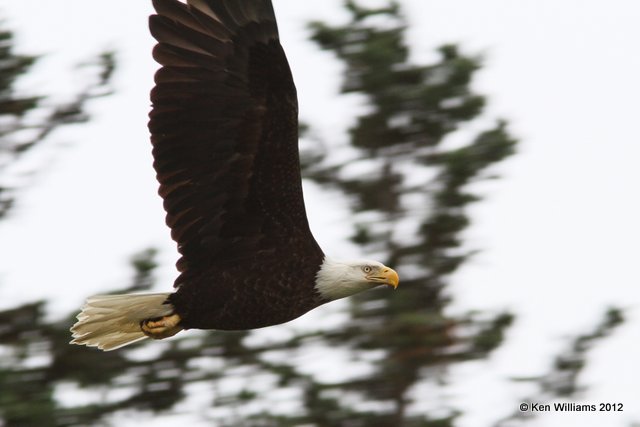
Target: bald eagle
224, 130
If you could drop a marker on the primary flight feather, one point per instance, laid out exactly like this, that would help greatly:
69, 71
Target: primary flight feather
224, 130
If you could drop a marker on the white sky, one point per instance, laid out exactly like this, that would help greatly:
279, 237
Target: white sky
559, 232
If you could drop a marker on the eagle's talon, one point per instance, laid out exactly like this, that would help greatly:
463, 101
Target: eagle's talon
163, 327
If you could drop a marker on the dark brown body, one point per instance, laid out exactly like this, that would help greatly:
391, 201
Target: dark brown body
266, 296
225, 144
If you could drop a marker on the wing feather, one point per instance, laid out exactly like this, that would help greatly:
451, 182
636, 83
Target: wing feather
224, 133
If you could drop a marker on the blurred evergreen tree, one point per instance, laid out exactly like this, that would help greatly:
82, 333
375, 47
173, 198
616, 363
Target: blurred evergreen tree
417, 179
561, 382
27, 119
28, 342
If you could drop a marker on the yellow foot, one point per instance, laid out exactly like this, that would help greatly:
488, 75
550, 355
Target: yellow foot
162, 327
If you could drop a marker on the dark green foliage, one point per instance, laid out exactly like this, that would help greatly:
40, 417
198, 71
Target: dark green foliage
11, 67
561, 382
414, 108
19, 131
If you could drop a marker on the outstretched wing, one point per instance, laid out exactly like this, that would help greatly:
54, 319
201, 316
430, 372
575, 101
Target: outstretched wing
224, 130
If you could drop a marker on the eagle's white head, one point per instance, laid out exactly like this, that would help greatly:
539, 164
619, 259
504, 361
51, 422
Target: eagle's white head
339, 279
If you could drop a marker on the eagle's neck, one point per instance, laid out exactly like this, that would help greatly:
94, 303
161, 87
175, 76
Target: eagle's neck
339, 279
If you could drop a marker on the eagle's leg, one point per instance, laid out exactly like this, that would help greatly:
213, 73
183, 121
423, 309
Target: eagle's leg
162, 327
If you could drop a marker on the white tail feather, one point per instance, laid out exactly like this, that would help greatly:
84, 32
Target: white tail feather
113, 321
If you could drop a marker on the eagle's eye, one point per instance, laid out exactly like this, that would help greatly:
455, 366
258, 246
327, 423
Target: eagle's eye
367, 269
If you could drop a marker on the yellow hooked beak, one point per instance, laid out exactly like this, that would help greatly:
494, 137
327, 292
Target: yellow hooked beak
386, 276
